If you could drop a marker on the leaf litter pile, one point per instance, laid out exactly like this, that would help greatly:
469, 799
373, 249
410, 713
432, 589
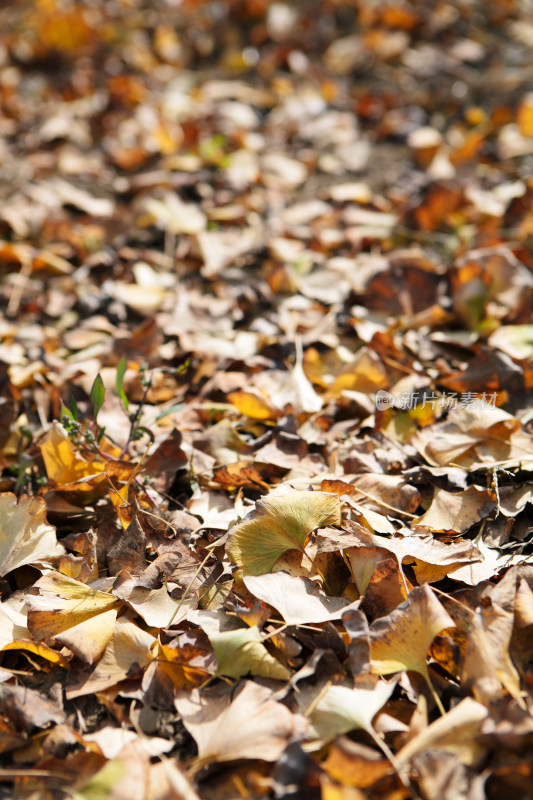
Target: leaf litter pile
266, 381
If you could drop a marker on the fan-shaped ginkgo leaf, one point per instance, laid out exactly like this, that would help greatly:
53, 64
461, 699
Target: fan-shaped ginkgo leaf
401, 640
283, 523
252, 726
62, 603
299, 600
343, 709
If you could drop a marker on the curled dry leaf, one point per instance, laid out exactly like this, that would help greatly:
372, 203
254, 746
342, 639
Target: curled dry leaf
456, 512
25, 535
128, 651
455, 732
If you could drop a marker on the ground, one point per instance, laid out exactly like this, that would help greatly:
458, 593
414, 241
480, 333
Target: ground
265, 392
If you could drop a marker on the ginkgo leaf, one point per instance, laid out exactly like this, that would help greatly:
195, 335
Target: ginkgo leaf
62, 461
298, 599
401, 640
487, 665
129, 649
89, 639
174, 663
252, 405
343, 709
14, 634
455, 732
155, 606
62, 603
283, 523
238, 650
252, 726
25, 535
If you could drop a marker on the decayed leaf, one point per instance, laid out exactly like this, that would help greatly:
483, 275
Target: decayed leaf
343, 709
298, 599
174, 664
252, 726
402, 639
430, 558
283, 523
129, 553
25, 536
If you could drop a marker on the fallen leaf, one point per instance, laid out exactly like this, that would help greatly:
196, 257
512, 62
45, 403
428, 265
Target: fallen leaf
455, 732
298, 599
25, 535
402, 639
251, 726
283, 522
129, 650
344, 709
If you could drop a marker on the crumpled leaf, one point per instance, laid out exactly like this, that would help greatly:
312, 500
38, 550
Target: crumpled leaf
430, 558
298, 599
283, 523
487, 663
25, 535
252, 726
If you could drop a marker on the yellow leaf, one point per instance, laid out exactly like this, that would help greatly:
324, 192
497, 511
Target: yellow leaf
38, 649
284, 522
62, 462
401, 640
252, 405
63, 603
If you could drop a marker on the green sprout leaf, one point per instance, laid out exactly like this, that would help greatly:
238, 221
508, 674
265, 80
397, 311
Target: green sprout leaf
97, 394
121, 369
73, 409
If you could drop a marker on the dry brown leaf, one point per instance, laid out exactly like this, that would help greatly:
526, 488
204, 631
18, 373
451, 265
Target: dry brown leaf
251, 726
402, 639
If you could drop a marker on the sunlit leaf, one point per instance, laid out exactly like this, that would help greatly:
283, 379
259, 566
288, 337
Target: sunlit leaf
25, 535
344, 709
402, 639
119, 383
251, 726
283, 522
